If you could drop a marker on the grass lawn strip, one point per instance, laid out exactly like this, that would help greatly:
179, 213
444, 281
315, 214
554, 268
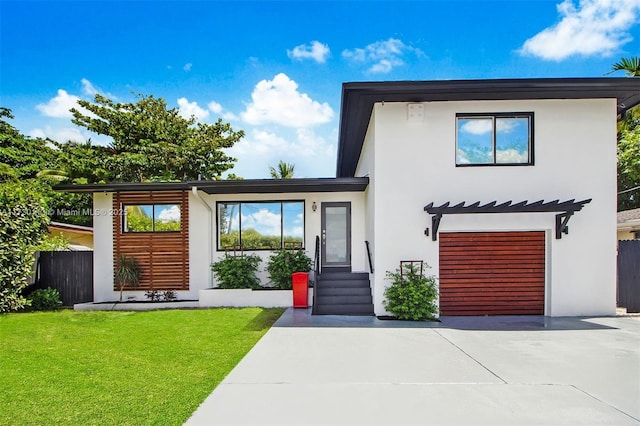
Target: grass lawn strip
121, 368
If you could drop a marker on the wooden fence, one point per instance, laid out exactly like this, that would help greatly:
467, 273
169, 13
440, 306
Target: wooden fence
69, 272
629, 275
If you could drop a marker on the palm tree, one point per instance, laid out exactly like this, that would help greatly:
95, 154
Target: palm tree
630, 65
284, 170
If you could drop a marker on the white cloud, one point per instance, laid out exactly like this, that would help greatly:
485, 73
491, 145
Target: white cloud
187, 109
88, 88
477, 127
511, 156
187, 67
312, 154
382, 56
594, 27
169, 214
316, 51
59, 106
214, 107
263, 221
278, 101
62, 135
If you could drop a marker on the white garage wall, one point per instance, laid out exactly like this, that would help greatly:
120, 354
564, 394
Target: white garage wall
575, 147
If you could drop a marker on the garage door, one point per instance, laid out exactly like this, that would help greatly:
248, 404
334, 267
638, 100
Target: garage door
492, 273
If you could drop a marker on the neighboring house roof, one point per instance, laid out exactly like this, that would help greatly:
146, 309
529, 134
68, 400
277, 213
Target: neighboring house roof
629, 220
358, 100
59, 226
247, 186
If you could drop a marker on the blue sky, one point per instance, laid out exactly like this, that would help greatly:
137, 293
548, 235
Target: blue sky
275, 68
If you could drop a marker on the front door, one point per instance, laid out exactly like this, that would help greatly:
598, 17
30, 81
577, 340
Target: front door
336, 236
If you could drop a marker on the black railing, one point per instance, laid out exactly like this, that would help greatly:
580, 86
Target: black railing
317, 268
369, 256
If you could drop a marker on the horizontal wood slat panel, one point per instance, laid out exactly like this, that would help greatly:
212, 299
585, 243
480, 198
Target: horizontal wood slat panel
492, 273
163, 256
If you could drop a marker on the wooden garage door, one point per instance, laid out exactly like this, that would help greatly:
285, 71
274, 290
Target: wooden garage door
492, 273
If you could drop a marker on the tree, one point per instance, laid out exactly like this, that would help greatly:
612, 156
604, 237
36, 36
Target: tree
23, 223
631, 66
154, 143
284, 170
629, 145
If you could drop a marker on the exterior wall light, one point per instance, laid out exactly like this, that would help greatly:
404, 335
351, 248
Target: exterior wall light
314, 206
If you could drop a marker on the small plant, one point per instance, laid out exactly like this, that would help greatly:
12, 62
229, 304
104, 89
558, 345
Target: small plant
411, 295
128, 273
237, 271
47, 299
285, 262
153, 295
169, 295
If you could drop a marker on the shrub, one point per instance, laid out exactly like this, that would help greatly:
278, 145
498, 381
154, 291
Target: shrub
128, 273
47, 299
23, 222
237, 271
411, 295
283, 263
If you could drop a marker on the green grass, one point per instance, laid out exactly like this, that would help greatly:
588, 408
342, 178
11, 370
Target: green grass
119, 368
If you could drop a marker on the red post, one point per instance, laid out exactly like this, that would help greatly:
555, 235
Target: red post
300, 285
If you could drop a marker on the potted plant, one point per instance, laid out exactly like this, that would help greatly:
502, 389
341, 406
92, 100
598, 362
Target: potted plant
128, 273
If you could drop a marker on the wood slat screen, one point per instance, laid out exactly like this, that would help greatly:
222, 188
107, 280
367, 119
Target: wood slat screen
163, 256
492, 273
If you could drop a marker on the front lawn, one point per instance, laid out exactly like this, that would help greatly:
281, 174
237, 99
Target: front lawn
119, 368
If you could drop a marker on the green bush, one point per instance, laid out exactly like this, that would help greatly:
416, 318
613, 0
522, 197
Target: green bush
47, 299
283, 263
237, 271
411, 295
23, 222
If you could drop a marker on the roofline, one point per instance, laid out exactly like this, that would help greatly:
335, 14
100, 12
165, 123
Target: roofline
358, 99
247, 186
78, 228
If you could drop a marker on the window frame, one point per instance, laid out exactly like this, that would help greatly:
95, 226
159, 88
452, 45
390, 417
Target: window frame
219, 248
124, 221
493, 116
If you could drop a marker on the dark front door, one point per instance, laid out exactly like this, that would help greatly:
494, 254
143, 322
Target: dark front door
336, 236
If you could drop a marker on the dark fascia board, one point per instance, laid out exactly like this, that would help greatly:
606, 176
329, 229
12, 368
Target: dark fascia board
358, 100
247, 186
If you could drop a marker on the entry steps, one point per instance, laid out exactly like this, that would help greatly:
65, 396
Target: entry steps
343, 293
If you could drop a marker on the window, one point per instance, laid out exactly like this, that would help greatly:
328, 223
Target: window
260, 225
494, 139
151, 218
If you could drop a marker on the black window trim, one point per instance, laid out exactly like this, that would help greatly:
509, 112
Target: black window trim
493, 116
123, 207
240, 202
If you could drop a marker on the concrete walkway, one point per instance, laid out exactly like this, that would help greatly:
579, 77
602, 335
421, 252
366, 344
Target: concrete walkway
334, 370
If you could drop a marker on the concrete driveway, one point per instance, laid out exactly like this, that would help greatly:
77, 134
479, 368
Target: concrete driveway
526, 370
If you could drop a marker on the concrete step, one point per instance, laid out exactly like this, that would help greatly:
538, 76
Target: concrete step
344, 283
343, 275
345, 309
344, 300
343, 291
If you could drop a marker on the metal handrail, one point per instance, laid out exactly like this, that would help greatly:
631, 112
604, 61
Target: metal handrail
369, 256
317, 268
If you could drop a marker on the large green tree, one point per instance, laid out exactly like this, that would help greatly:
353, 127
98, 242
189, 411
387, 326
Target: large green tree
152, 142
629, 145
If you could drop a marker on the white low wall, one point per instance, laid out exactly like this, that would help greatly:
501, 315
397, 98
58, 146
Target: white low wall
245, 297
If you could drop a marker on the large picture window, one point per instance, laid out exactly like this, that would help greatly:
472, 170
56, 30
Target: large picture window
494, 139
260, 225
151, 218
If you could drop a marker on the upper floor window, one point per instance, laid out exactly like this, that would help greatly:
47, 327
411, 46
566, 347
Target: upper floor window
261, 225
151, 218
494, 139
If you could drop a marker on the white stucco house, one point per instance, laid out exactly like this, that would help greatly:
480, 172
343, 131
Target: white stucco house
506, 188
